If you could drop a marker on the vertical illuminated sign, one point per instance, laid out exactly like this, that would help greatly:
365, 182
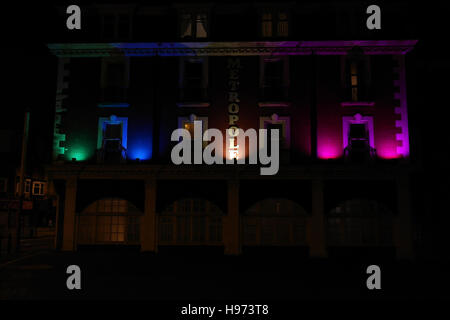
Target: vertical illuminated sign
233, 66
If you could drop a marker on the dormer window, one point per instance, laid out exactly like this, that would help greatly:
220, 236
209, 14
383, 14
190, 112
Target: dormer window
193, 25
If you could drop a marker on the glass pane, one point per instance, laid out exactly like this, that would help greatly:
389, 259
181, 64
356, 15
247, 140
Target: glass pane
267, 28
201, 26
186, 25
282, 29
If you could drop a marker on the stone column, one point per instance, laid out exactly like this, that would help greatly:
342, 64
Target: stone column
149, 225
69, 215
232, 225
403, 239
316, 232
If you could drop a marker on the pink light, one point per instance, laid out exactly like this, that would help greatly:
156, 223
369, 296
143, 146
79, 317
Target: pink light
328, 151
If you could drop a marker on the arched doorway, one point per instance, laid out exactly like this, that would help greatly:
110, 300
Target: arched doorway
191, 221
109, 221
274, 222
359, 222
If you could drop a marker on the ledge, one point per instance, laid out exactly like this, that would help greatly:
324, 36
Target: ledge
270, 104
193, 104
114, 105
358, 104
261, 48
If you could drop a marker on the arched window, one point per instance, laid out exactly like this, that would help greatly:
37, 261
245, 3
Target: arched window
107, 221
191, 221
274, 222
359, 222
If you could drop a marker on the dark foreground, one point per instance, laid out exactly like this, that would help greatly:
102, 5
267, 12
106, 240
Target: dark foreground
205, 275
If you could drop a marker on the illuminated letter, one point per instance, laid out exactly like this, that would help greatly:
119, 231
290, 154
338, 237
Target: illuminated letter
233, 108
232, 97
232, 119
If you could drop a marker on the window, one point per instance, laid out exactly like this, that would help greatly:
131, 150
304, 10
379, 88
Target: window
27, 185
274, 79
38, 188
116, 26
274, 23
191, 221
281, 123
115, 79
193, 25
112, 139
354, 80
193, 80
356, 77
358, 137
188, 124
110, 220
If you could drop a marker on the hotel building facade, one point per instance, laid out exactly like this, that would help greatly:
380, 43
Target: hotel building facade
135, 73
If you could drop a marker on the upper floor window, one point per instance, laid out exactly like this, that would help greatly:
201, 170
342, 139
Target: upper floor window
193, 81
188, 124
194, 24
356, 77
115, 79
274, 23
116, 26
38, 188
274, 78
275, 122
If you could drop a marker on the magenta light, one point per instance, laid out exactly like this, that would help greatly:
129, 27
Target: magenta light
328, 151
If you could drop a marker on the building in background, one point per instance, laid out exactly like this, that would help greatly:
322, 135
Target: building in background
135, 73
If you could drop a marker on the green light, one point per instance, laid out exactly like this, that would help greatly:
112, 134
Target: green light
79, 153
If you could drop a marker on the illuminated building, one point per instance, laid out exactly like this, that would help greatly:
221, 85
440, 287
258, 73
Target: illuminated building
340, 106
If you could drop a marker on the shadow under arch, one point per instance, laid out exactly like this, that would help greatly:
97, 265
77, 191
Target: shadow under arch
192, 221
359, 222
109, 221
274, 222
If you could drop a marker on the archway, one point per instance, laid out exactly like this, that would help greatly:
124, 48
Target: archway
191, 221
274, 222
109, 221
359, 222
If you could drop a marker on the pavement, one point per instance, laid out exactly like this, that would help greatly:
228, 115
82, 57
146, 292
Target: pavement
39, 273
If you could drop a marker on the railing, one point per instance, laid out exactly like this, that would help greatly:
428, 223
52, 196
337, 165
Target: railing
360, 153
112, 155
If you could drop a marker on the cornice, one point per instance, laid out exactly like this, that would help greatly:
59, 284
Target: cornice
371, 47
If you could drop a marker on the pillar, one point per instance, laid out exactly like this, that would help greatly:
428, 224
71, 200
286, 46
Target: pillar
232, 226
149, 220
403, 239
316, 231
69, 215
